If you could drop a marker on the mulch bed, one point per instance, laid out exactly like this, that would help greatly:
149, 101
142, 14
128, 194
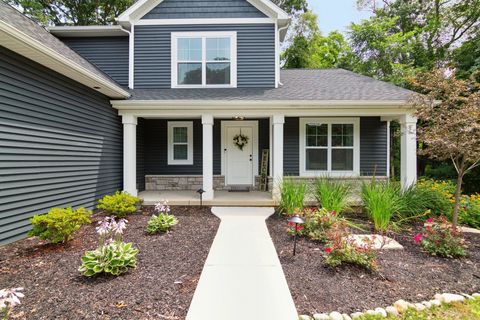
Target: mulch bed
408, 274
161, 287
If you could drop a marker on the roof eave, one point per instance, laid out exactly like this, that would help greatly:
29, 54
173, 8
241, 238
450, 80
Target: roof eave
88, 31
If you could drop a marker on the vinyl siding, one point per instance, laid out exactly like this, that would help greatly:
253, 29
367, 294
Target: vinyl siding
373, 147
255, 54
194, 9
109, 54
60, 144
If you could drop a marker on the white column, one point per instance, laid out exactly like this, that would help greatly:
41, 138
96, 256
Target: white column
207, 122
130, 154
408, 150
277, 174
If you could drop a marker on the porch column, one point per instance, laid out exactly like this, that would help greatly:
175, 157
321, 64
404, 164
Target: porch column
408, 150
207, 123
130, 154
277, 174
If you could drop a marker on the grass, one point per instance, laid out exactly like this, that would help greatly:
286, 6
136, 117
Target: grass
292, 195
469, 310
332, 195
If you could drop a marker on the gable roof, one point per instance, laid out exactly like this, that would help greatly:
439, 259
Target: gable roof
26, 37
142, 7
300, 87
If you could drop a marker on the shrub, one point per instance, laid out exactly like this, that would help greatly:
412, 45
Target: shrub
332, 195
381, 201
292, 196
342, 250
317, 223
163, 221
58, 225
470, 210
439, 239
441, 194
9, 298
113, 256
119, 204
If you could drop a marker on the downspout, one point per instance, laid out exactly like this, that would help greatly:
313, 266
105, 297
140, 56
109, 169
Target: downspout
280, 29
130, 55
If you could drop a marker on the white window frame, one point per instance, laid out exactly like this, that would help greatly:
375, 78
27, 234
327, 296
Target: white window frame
203, 35
181, 124
329, 172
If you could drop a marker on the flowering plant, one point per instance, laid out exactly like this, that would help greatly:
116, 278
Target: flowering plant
9, 298
162, 222
318, 222
438, 238
113, 255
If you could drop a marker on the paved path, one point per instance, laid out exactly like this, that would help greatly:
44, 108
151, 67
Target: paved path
242, 278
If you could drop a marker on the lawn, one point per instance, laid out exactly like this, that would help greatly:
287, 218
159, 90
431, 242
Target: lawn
161, 287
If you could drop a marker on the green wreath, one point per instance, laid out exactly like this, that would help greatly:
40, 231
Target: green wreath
240, 140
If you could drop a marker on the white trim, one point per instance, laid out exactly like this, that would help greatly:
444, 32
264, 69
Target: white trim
189, 126
130, 154
388, 149
329, 172
277, 56
248, 123
153, 22
204, 35
278, 121
131, 58
88, 31
17, 41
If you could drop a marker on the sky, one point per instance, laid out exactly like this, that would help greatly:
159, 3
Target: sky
336, 14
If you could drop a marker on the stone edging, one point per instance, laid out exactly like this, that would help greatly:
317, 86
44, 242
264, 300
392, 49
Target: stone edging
398, 307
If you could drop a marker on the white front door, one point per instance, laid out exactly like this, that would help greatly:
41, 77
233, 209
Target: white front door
239, 161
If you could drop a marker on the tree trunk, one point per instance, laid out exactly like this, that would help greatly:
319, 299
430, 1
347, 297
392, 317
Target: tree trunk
456, 207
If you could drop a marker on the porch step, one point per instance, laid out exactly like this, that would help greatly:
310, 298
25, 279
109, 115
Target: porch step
239, 188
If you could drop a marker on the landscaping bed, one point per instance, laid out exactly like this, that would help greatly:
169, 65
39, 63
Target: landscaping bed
408, 274
161, 287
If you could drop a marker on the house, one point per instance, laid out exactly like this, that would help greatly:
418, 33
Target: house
179, 95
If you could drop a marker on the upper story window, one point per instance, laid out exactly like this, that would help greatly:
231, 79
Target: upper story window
204, 59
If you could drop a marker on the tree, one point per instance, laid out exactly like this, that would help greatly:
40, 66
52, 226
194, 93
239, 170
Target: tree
73, 12
467, 58
310, 49
292, 6
449, 111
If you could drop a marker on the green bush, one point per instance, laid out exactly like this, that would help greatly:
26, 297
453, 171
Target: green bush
292, 196
439, 239
317, 224
119, 204
58, 225
332, 195
382, 201
161, 223
441, 193
114, 258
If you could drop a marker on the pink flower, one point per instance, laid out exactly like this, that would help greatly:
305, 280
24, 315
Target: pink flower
418, 238
430, 220
328, 250
333, 212
298, 227
290, 223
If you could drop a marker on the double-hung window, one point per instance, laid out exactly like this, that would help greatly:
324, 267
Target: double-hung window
329, 146
204, 59
180, 143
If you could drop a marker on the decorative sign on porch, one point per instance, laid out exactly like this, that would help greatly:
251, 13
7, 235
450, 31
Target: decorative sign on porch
263, 170
240, 140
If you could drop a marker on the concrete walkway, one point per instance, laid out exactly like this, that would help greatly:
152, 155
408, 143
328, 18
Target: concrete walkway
242, 278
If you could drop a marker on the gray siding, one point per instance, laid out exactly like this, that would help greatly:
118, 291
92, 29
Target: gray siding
109, 54
194, 9
155, 141
60, 144
141, 154
373, 147
255, 54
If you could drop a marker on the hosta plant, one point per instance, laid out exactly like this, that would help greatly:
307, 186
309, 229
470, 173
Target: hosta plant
438, 238
58, 225
9, 298
162, 222
113, 256
119, 204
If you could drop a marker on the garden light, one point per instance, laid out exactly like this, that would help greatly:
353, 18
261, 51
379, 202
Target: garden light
297, 220
201, 192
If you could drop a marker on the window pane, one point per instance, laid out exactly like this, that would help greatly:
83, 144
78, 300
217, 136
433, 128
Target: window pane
218, 49
180, 134
342, 135
189, 73
218, 73
189, 49
316, 159
342, 159
317, 135
180, 152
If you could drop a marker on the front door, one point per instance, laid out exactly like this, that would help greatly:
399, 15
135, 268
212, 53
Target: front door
239, 155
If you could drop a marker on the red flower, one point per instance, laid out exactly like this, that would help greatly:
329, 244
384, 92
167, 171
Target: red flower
418, 238
328, 249
298, 227
290, 223
430, 220
334, 212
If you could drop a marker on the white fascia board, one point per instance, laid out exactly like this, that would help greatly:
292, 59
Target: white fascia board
149, 22
88, 31
269, 8
33, 49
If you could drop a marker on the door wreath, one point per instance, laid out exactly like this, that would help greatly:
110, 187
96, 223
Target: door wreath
240, 140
